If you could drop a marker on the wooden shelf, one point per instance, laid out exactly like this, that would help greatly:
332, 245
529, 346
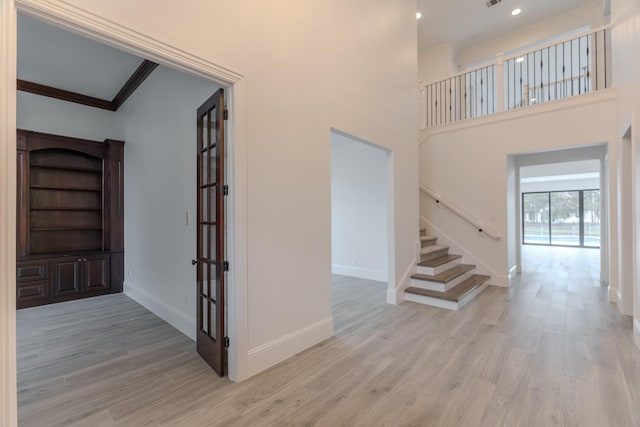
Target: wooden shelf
65, 208
66, 229
69, 168
63, 188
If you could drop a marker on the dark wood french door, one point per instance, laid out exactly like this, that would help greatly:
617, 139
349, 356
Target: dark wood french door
211, 341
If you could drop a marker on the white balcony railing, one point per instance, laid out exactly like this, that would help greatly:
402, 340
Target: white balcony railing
562, 69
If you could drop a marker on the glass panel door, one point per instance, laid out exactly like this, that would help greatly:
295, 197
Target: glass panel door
210, 339
535, 221
565, 218
591, 217
561, 218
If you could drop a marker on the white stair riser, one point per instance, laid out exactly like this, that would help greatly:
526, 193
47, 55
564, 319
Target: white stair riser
441, 303
441, 287
432, 271
434, 302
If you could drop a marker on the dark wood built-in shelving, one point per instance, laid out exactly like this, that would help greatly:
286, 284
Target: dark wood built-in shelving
70, 241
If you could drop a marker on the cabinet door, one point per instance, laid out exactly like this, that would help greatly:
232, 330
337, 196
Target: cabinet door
66, 276
96, 273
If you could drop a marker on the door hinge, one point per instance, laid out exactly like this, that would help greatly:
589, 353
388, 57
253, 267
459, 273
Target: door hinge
225, 266
226, 342
225, 190
225, 114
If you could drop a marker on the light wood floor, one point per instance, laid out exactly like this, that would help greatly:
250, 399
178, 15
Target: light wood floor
549, 351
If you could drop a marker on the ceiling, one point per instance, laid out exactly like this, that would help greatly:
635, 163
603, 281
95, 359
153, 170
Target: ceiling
469, 22
559, 171
53, 57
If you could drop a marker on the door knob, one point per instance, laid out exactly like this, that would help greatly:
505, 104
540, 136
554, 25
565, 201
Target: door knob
194, 262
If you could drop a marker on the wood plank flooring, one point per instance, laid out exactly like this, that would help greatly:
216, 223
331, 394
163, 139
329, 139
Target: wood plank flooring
550, 351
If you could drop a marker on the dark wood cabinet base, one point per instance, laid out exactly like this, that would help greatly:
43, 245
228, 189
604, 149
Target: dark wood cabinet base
46, 280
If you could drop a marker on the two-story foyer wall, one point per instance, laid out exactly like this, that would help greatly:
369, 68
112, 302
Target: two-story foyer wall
467, 164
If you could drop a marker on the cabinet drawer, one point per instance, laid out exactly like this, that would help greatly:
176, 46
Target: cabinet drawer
31, 270
29, 292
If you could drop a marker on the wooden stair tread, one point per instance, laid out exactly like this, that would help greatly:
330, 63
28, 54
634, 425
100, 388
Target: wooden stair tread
456, 293
436, 262
427, 238
446, 276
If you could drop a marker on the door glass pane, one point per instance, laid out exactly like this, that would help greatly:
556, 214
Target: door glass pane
535, 210
204, 167
205, 278
205, 203
205, 132
205, 313
213, 134
592, 218
565, 218
212, 321
209, 238
212, 165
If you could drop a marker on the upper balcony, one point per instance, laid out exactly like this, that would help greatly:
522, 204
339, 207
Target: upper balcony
564, 68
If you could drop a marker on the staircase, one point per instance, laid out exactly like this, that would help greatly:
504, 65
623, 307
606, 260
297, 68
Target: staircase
441, 280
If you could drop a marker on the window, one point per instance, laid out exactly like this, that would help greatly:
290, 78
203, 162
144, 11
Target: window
561, 218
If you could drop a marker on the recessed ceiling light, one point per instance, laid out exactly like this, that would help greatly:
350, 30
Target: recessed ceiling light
418, 15
516, 12
520, 59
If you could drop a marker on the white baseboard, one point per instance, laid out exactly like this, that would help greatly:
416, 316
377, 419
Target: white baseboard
395, 293
271, 353
359, 272
636, 332
513, 271
179, 320
500, 281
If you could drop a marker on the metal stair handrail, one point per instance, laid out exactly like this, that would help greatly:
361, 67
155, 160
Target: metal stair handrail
440, 201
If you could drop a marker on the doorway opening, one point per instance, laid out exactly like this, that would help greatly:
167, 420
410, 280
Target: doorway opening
360, 211
156, 121
558, 199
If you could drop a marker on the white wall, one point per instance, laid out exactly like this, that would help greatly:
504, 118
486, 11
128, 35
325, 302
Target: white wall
625, 16
467, 164
308, 66
359, 246
42, 114
437, 63
159, 129
589, 15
